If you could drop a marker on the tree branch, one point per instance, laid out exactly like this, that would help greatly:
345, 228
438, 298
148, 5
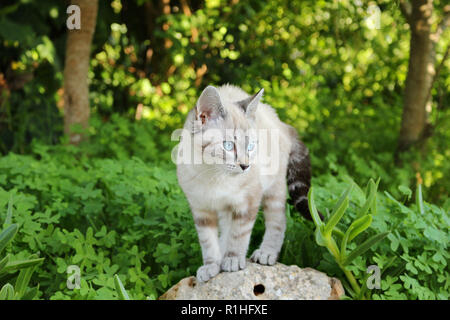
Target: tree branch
185, 7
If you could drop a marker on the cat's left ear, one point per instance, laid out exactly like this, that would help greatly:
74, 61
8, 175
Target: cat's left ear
209, 106
250, 104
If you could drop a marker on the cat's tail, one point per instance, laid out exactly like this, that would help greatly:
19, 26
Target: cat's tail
299, 175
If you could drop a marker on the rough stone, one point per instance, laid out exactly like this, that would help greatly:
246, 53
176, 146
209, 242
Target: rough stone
257, 282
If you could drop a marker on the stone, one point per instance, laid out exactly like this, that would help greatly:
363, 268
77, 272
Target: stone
258, 282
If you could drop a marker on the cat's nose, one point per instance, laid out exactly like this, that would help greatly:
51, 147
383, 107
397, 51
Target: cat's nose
244, 167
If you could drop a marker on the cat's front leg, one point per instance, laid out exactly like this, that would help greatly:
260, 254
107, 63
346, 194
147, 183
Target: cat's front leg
275, 223
206, 225
242, 222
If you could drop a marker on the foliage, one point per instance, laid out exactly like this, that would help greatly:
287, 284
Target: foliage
323, 233
123, 294
106, 216
322, 64
18, 270
129, 218
413, 258
112, 205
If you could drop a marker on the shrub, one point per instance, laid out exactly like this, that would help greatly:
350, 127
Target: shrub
129, 218
19, 271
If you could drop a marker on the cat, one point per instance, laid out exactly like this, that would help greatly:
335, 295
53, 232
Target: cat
227, 184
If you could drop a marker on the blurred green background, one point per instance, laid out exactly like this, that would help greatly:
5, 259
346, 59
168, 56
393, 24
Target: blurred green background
329, 68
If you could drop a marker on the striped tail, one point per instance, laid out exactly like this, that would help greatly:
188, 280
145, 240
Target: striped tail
299, 175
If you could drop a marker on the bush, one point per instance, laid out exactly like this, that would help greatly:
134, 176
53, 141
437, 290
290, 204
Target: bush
129, 217
11, 270
105, 216
112, 205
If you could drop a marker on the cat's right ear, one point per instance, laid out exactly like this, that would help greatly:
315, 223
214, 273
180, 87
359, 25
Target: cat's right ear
209, 106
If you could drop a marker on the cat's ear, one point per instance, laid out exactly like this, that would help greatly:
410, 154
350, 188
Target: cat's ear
209, 106
250, 104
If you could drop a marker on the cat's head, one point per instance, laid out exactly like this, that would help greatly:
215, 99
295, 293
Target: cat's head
228, 131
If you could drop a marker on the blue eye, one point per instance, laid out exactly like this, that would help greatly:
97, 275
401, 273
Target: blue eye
251, 146
228, 145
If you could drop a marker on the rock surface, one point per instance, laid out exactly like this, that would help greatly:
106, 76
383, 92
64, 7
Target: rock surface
257, 282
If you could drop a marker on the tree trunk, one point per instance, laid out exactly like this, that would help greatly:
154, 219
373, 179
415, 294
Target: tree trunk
420, 74
76, 90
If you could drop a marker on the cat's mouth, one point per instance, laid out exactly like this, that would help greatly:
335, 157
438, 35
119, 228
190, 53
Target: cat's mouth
232, 168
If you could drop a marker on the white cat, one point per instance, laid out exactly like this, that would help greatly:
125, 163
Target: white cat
227, 186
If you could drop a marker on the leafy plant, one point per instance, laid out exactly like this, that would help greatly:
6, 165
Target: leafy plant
9, 269
122, 293
112, 205
324, 233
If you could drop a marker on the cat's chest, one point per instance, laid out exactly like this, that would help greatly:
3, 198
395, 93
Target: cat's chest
218, 195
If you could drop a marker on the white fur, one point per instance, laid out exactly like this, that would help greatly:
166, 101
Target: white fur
216, 188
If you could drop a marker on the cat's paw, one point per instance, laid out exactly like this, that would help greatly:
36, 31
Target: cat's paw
231, 264
265, 257
207, 271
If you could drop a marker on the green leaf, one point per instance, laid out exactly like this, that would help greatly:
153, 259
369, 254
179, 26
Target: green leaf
419, 199
362, 248
364, 286
371, 199
10, 8
348, 288
9, 212
313, 209
7, 292
123, 295
22, 281
344, 243
4, 262
338, 232
320, 240
405, 191
21, 264
388, 265
7, 235
31, 293
359, 226
338, 211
